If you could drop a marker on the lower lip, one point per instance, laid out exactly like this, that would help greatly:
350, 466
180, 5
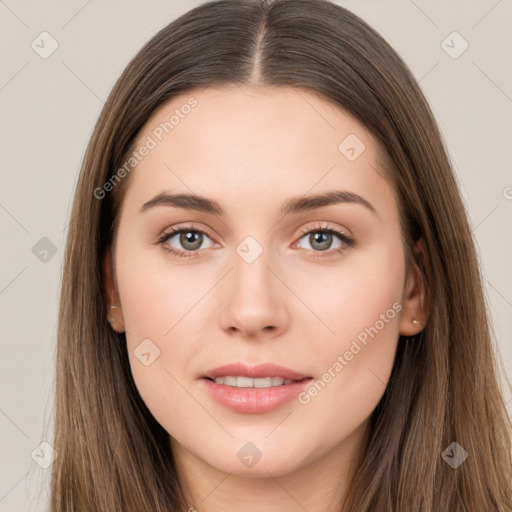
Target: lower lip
254, 399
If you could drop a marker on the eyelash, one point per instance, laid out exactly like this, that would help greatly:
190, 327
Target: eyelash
345, 239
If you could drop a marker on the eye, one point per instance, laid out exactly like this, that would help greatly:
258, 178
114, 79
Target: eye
188, 238
321, 238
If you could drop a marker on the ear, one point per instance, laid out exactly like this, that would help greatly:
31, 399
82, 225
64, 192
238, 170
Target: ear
415, 298
115, 314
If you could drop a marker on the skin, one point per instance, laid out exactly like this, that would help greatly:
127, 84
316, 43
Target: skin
251, 149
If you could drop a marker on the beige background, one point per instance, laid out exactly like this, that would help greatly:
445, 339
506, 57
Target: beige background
48, 108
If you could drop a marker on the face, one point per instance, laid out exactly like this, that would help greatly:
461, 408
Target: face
307, 297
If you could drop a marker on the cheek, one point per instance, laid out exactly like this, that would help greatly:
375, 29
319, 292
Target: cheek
356, 294
362, 308
161, 307
156, 294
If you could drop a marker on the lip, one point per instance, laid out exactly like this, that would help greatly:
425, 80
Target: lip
255, 372
254, 400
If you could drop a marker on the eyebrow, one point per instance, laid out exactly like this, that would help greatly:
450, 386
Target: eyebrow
293, 205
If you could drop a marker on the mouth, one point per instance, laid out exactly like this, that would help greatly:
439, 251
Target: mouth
241, 381
244, 375
256, 389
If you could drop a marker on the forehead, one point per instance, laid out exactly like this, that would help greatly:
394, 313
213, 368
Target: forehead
244, 142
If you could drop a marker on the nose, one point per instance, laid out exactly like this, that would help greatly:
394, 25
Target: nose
253, 300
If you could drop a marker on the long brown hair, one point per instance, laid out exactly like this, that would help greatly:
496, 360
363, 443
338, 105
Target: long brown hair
444, 387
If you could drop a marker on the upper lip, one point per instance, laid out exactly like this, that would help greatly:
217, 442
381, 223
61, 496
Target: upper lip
259, 371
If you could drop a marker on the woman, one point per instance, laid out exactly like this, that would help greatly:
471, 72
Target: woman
271, 297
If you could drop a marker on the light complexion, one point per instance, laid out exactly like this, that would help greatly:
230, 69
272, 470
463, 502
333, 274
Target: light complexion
299, 304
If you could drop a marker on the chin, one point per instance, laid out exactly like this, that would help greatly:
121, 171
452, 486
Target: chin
257, 457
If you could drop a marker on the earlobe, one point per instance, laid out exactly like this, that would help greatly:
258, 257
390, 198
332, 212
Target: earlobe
415, 310
114, 311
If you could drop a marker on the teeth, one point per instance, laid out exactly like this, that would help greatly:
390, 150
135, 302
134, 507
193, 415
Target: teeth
264, 382
246, 382
229, 381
